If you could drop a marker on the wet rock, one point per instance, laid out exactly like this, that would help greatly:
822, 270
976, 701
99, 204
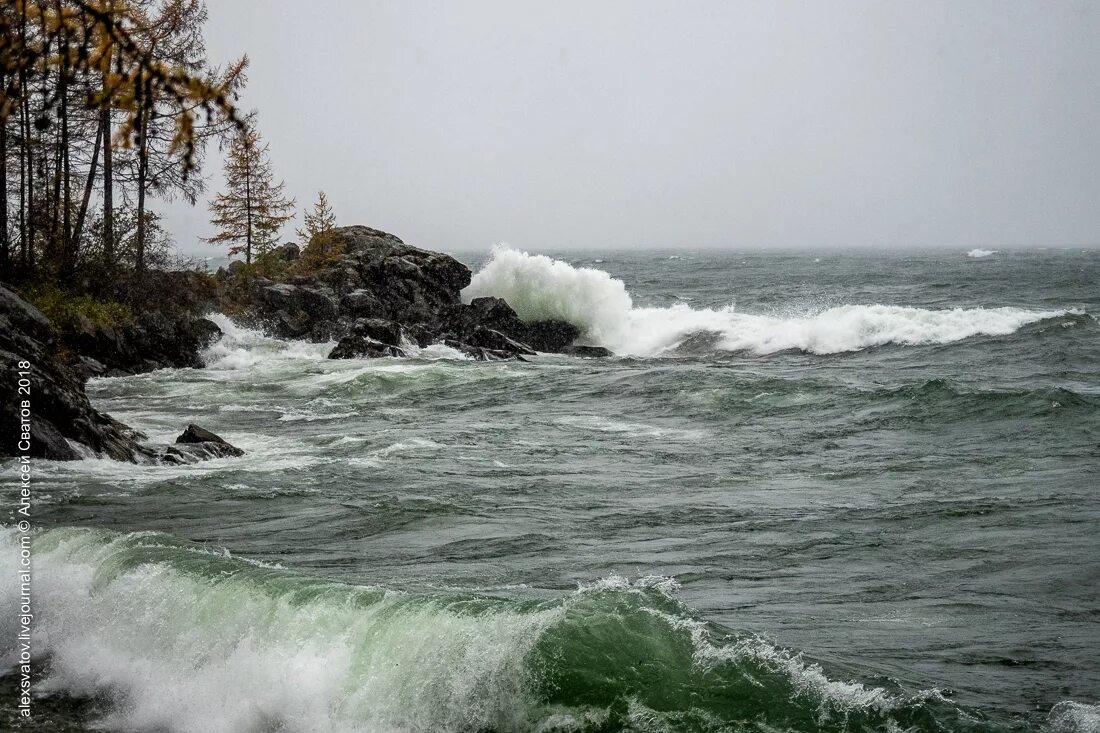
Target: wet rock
379, 329
62, 423
361, 303
487, 338
411, 284
152, 341
551, 336
295, 311
200, 444
587, 351
478, 353
363, 347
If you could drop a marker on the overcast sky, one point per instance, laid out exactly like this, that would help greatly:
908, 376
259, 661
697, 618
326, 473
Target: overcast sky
606, 125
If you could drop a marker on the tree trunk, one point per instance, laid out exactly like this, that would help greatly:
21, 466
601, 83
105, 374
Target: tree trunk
248, 217
28, 252
88, 185
108, 187
68, 250
23, 179
143, 171
53, 206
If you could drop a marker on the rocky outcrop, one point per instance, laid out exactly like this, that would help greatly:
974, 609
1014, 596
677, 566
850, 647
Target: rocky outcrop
57, 422
60, 417
295, 311
152, 341
409, 284
373, 277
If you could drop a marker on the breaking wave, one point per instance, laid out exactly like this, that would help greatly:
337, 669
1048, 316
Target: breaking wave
978, 252
240, 347
538, 287
186, 639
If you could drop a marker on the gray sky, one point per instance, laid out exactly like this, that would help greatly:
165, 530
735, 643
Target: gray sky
616, 124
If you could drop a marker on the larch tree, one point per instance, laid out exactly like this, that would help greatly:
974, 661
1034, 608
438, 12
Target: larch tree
315, 233
249, 214
79, 81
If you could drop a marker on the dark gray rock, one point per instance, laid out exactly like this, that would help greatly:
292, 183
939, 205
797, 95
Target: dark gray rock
487, 338
363, 347
152, 341
462, 321
288, 252
379, 329
295, 311
478, 353
587, 351
361, 303
209, 444
412, 285
551, 336
60, 415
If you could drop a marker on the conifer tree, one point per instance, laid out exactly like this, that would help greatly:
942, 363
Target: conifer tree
315, 234
253, 208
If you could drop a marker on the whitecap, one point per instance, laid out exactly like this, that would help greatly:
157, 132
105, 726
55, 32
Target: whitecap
540, 288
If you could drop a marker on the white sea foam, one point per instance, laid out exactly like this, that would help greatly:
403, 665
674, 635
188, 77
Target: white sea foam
1074, 717
538, 287
978, 252
238, 652
242, 348
211, 643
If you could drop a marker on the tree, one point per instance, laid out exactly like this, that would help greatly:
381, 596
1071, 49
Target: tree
318, 224
80, 77
253, 209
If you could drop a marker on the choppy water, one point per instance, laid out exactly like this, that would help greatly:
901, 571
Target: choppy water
864, 497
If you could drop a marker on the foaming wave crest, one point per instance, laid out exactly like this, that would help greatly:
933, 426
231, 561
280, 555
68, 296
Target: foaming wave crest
978, 252
180, 638
538, 287
242, 348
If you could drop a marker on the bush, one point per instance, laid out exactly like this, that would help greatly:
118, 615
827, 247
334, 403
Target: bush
66, 309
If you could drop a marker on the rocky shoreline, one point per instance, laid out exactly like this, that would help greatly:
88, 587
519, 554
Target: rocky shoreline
376, 297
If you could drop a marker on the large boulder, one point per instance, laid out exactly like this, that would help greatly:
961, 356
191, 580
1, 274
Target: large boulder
551, 336
464, 318
363, 347
412, 285
463, 321
197, 443
487, 338
591, 352
295, 311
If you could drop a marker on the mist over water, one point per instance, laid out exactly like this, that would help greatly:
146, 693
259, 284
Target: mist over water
838, 492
